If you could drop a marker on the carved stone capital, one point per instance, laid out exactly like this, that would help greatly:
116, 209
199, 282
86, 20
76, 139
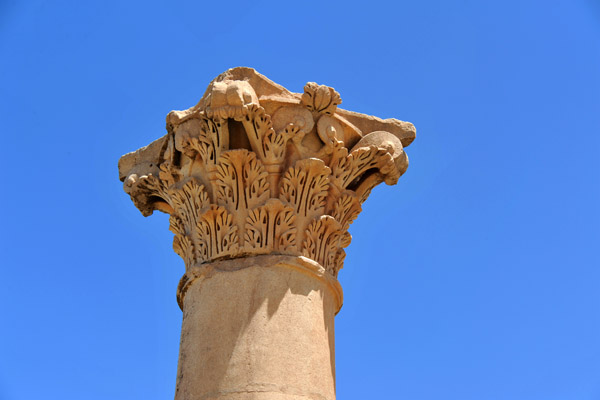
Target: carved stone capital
254, 169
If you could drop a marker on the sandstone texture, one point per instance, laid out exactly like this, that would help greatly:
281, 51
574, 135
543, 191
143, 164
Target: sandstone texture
261, 185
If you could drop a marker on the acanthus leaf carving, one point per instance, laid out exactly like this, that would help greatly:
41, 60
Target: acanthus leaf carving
241, 180
182, 244
346, 209
207, 137
339, 261
305, 186
323, 238
168, 174
352, 169
274, 146
271, 228
217, 234
188, 202
320, 98
148, 193
258, 125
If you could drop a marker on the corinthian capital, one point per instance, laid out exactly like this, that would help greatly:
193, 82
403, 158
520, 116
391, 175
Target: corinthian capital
254, 169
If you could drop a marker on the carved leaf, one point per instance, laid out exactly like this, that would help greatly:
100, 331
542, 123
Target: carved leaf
241, 180
209, 138
348, 170
182, 244
339, 164
274, 146
366, 185
153, 186
168, 174
285, 231
258, 125
203, 146
320, 98
322, 240
188, 202
271, 228
365, 194
361, 160
346, 209
305, 185
339, 261
145, 191
217, 235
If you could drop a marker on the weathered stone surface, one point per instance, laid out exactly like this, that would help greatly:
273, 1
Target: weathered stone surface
258, 328
261, 185
238, 182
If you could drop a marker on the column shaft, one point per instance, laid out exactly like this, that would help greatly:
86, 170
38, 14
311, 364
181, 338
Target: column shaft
265, 331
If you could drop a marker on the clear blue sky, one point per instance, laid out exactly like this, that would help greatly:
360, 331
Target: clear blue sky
475, 278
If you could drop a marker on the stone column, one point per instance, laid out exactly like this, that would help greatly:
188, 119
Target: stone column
261, 185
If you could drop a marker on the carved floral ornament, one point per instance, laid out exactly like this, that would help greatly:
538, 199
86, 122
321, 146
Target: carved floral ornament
254, 169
